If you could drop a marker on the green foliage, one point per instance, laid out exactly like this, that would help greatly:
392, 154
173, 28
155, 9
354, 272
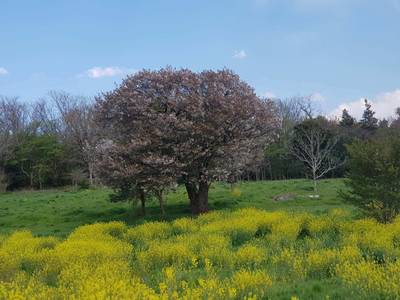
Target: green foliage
320, 124
374, 176
39, 161
281, 163
347, 120
368, 121
60, 211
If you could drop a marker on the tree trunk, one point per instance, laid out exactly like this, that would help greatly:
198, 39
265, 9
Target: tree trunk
90, 167
198, 197
161, 200
270, 171
31, 180
315, 182
143, 203
3, 181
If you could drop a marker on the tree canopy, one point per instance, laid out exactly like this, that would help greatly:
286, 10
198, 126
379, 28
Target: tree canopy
374, 176
195, 127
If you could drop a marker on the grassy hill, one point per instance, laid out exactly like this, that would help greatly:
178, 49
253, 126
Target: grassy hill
58, 212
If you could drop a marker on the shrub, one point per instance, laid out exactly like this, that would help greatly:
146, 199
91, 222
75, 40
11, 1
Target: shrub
374, 177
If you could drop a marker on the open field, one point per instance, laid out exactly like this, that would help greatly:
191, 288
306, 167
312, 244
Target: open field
78, 244
200, 150
244, 254
58, 212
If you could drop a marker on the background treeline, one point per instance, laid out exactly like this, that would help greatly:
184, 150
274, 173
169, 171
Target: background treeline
52, 141
281, 161
47, 143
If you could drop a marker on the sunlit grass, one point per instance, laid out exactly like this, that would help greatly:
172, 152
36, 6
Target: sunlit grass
244, 254
57, 212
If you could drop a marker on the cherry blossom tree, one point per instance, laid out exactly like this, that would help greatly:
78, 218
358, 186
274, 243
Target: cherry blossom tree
177, 124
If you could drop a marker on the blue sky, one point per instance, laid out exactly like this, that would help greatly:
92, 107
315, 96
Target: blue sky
336, 50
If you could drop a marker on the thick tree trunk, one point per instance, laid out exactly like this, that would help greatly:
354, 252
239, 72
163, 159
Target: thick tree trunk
161, 201
198, 197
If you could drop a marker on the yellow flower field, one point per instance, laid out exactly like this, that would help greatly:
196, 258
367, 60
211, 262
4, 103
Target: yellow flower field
243, 254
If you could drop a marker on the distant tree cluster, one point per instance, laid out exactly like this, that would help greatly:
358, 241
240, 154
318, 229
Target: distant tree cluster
46, 144
288, 156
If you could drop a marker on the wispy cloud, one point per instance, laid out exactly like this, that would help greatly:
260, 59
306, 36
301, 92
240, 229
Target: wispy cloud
269, 95
99, 72
317, 97
383, 104
3, 71
240, 54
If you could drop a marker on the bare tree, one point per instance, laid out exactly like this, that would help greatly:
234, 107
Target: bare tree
78, 126
292, 111
14, 119
289, 113
314, 144
46, 117
307, 107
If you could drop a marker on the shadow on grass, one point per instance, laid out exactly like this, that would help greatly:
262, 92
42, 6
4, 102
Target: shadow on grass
132, 216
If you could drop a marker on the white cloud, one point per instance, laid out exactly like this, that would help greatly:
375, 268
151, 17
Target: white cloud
240, 54
269, 95
3, 71
383, 104
99, 72
317, 97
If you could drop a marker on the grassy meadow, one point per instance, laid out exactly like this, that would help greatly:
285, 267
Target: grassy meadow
63, 244
58, 212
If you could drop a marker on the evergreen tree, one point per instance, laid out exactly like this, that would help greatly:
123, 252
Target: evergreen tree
384, 124
374, 176
368, 121
396, 122
347, 119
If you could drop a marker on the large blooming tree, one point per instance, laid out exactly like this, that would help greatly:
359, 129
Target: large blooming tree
177, 124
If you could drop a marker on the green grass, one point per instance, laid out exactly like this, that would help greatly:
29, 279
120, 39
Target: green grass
58, 212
